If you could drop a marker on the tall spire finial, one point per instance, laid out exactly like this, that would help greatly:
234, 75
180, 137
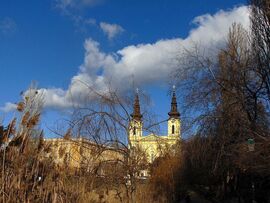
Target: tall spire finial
174, 112
136, 108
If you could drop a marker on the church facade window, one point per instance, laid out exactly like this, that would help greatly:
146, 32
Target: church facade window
134, 130
152, 156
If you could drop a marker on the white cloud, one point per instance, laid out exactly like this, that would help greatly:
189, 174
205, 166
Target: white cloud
216, 27
7, 25
73, 10
111, 30
71, 4
143, 63
90, 21
8, 107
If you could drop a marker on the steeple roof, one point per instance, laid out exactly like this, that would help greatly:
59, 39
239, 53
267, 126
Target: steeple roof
136, 108
174, 112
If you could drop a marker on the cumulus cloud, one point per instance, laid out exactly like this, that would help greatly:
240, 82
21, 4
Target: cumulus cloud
111, 30
7, 25
215, 27
142, 63
8, 107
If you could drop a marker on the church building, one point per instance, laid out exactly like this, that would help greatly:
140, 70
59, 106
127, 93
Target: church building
154, 145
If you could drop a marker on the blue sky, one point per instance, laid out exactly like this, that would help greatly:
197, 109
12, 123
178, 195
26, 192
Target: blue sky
49, 40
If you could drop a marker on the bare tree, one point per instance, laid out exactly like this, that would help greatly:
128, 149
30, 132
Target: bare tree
104, 122
228, 97
260, 30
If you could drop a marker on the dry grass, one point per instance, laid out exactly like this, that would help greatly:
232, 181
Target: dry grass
29, 173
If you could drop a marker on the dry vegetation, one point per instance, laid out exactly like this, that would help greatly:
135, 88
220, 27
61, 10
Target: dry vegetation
108, 170
231, 95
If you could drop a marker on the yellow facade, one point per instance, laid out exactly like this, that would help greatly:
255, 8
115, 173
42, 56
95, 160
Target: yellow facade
174, 127
79, 152
153, 145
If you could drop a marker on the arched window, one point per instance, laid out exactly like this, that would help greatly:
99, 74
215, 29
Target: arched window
172, 129
152, 156
134, 130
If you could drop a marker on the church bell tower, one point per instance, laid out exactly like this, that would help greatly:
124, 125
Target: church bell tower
174, 124
135, 126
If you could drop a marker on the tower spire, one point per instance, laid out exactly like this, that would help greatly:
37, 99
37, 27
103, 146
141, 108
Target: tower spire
136, 108
174, 112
